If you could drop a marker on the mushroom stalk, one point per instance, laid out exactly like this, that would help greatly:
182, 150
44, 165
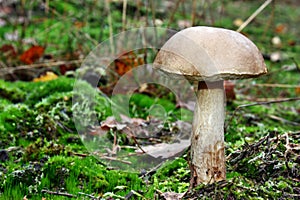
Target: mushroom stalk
207, 147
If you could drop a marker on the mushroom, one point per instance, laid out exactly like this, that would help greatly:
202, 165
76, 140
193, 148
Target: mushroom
209, 56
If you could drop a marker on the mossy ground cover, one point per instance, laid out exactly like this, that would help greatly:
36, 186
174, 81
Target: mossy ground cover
42, 155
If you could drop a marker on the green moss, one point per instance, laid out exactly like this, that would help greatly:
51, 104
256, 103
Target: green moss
11, 92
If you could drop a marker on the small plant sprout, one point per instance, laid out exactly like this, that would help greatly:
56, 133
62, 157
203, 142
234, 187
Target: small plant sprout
209, 56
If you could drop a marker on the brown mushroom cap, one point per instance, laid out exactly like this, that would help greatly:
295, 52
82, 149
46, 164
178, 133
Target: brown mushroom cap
210, 54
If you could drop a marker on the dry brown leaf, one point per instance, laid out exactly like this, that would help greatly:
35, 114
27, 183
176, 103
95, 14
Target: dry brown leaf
165, 150
172, 195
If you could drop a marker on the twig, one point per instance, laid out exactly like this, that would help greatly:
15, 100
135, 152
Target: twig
79, 154
270, 21
153, 13
88, 195
245, 152
193, 13
296, 63
153, 170
267, 2
59, 193
111, 40
283, 120
173, 12
37, 65
135, 141
124, 15
115, 159
259, 103
268, 102
277, 85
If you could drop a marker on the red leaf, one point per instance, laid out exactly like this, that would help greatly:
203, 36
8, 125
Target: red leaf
32, 54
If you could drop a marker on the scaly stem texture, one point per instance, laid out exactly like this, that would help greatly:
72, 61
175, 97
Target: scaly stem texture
207, 148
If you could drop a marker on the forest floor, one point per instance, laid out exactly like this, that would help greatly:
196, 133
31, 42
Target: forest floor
51, 147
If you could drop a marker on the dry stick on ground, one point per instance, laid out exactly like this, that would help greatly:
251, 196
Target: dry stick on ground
276, 85
124, 15
173, 12
134, 139
59, 193
259, 103
284, 121
261, 8
270, 22
193, 13
88, 195
9, 70
152, 3
111, 40
115, 159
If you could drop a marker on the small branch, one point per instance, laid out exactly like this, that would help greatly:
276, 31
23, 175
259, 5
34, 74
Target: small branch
277, 85
80, 154
115, 159
283, 120
59, 193
268, 102
173, 12
111, 39
254, 15
47, 64
193, 13
88, 195
135, 141
259, 103
124, 15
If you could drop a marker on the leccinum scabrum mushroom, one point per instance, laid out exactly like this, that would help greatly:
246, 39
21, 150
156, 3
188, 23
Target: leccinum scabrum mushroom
209, 55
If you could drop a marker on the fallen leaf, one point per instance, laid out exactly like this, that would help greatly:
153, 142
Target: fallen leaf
281, 28
111, 122
165, 150
47, 77
172, 195
79, 24
8, 50
32, 54
127, 61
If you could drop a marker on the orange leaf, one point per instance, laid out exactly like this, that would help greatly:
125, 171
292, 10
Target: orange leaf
32, 54
127, 61
280, 28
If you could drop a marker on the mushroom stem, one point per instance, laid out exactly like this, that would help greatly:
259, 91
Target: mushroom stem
207, 148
